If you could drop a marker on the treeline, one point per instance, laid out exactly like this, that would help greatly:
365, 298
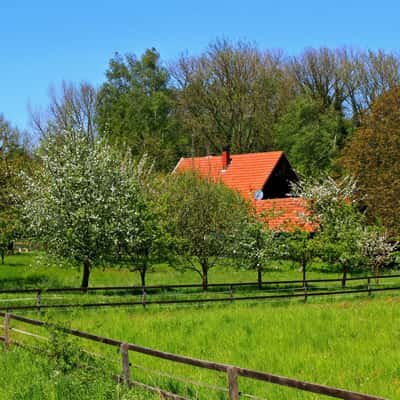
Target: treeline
91, 206
233, 94
332, 111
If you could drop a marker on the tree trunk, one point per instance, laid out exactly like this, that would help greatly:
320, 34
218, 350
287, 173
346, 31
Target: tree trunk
344, 277
304, 270
10, 248
376, 274
204, 275
259, 277
86, 274
2, 253
143, 276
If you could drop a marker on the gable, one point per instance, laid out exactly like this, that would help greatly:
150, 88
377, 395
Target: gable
278, 184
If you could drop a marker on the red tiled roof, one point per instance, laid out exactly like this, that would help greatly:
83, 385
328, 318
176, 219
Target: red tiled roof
246, 173
285, 213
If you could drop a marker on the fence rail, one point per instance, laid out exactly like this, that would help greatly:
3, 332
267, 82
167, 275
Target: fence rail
304, 290
232, 372
188, 286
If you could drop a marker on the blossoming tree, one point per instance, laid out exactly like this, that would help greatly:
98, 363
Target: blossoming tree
82, 201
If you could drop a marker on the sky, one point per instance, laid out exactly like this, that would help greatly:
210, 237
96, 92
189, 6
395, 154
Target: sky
44, 42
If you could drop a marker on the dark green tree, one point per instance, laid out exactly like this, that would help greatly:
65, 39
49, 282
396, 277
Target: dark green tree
14, 157
311, 135
136, 108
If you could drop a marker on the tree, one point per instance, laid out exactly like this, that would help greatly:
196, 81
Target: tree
317, 73
300, 248
257, 245
230, 96
136, 108
144, 240
203, 218
79, 204
72, 108
14, 157
311, 134
339, 224
377, 249
373, 157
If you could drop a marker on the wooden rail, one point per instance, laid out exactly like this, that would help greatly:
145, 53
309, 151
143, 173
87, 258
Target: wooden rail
233, 372
306, 293
183, 286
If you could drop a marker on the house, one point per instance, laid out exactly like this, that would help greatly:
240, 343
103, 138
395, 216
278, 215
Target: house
262, 178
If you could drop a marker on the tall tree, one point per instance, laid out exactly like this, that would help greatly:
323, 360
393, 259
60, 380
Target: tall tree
230, 96
366, 76
136, 108
71, 108
317, 73
373, 156
311, 134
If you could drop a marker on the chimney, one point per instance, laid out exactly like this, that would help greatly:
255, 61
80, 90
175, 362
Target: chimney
226, 158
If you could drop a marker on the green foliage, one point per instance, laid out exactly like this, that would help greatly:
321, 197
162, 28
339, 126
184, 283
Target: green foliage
300, 247
204, 217
338, 239
14, 158
310, 134
136, 108
151, 244
341, 236
256, 246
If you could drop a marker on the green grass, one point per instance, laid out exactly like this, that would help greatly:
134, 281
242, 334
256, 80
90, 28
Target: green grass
27, 376
29, 270
350, 343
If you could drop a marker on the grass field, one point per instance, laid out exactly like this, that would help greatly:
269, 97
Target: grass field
351, 343
27, 376
29, 270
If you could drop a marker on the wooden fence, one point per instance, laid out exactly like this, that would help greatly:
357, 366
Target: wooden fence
302, 289
232, 372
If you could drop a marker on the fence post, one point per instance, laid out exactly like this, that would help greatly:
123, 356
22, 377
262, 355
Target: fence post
125, 363
144, 297
233, 383
305, 291
369, 286
7, 340
38, 299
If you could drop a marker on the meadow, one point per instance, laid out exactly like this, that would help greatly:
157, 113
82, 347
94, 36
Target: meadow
31, 270
349, 342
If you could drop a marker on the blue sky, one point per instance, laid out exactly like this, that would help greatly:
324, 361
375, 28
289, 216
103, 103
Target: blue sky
43, 42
